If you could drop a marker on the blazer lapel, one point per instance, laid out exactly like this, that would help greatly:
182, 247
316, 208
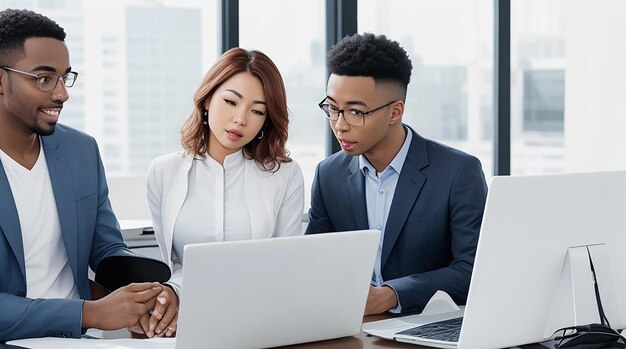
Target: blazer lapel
173, 201
61, 179
355, 184
9, 220
407, 190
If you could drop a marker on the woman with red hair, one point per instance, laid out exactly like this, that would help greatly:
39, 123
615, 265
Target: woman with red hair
234, 180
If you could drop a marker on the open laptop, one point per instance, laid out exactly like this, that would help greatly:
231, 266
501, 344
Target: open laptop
273, 292
532, 274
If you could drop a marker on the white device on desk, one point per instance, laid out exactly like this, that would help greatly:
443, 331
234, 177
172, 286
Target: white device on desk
532, 271
273, 292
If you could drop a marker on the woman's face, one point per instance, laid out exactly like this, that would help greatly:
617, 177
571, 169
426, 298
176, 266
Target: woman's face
237, 112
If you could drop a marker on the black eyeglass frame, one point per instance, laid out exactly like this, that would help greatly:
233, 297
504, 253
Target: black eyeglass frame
63, 77
323, 105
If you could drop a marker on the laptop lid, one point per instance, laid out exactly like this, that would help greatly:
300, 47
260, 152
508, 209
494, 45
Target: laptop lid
272, 292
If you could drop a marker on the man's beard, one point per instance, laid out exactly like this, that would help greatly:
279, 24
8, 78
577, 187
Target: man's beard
41, 132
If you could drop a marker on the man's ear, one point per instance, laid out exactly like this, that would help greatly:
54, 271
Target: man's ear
2, 74
397, 110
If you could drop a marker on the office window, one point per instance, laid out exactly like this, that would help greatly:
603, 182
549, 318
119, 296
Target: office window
164, 60
139, 64
543, 100
56, 4
292, 34
567, 86
450, 45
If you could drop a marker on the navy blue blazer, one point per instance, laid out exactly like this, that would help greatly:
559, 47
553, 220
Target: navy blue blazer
432, 229
90, 233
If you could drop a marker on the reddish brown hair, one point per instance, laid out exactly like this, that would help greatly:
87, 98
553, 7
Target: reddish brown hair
268, 152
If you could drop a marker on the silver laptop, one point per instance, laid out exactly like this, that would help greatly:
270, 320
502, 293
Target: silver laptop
532, 273
273, 292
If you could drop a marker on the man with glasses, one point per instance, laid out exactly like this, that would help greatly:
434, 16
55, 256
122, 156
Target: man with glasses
55, 215
426, 198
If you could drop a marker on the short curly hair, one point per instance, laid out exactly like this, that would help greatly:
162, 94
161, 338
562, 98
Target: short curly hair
370, 55
18, 25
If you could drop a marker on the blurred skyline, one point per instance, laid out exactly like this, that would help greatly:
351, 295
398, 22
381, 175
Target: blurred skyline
140, 62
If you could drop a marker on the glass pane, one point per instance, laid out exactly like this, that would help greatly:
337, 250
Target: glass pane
139, 64
567, 86
292, 33
450, 45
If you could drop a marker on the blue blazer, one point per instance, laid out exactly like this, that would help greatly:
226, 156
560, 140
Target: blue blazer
432, 229
89, 228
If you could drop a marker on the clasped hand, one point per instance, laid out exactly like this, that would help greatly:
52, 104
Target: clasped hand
145, 308
163, 318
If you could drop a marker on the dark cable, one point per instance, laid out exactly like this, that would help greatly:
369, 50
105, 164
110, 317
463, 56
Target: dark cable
603, 318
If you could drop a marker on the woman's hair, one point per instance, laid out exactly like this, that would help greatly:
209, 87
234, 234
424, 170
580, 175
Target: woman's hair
269, 151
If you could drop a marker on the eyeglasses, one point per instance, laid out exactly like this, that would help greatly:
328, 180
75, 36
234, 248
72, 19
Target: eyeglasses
591, 337
47, 82
352, 116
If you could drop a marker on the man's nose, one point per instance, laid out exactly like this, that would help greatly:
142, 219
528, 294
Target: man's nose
60, 94
341, 123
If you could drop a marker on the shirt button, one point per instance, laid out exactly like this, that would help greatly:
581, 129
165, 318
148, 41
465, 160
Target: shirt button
379, 227
381, 192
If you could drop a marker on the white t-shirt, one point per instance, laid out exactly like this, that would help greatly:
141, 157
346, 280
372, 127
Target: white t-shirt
48, 271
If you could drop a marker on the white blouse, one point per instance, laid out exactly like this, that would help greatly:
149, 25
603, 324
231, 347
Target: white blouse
187, 206
215, 207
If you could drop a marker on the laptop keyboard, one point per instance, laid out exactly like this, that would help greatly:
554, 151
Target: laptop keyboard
446, 330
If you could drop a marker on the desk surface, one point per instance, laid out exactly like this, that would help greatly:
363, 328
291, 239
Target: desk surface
360, 341
364, 341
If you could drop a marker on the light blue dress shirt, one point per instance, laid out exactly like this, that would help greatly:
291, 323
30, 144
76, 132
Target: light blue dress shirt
379, 190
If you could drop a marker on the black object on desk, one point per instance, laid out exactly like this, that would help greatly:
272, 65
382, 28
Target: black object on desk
118, 271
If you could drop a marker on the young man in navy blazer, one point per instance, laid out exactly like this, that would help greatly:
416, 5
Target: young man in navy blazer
426, 198
55, 215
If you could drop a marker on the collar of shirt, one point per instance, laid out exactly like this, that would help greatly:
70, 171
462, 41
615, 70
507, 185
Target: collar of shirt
231, 161
395, 165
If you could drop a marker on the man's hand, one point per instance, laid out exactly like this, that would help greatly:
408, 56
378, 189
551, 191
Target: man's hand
140, 329
122, 308
380, 299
